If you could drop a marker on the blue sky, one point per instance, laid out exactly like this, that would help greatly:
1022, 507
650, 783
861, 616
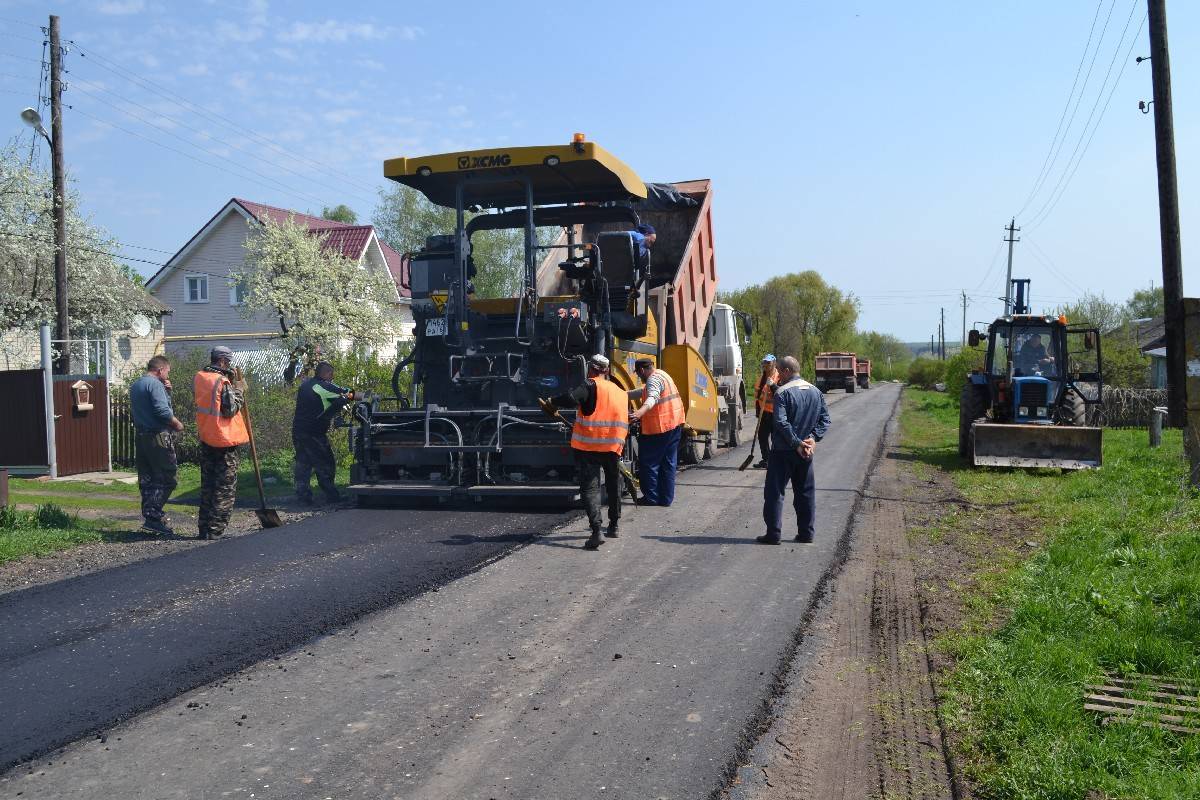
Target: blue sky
882, 144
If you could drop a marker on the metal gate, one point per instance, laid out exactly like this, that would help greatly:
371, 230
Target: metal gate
23, 445
81, 433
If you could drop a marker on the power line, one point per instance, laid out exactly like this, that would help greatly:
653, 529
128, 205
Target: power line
1038, 222
76, 84
1037, 182
145, 83
1078, 100
1064, 177
276, 186
1049, 264
991, 266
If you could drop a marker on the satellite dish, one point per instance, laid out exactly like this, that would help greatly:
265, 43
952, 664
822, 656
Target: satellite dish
140, 325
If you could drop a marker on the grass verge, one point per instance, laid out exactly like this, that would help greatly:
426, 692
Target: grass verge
1115, 588
42, 531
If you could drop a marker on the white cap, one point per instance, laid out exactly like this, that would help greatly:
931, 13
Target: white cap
598, 362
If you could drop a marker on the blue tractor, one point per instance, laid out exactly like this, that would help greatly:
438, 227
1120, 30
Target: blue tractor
1029, 405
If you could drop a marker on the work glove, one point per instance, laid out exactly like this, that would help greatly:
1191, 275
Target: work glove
548, 407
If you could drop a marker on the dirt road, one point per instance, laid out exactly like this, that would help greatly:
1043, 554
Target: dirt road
643, 670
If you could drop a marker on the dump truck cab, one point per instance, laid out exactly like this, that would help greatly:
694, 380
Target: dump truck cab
1028, 406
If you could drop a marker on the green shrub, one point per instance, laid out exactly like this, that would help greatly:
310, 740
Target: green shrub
925, 372
958, 366
45, 517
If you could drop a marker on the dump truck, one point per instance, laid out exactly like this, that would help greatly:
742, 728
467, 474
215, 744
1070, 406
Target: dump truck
862, 372
470, 425
836, 371
1028, 406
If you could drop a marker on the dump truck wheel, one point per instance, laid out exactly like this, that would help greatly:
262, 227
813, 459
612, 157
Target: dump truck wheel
851, 386
710, 448
1074, 409
972, 404
735, 430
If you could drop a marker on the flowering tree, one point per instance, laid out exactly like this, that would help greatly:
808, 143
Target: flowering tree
101, 297
320, 298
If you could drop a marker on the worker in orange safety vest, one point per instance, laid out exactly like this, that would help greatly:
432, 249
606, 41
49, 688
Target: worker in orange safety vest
222, 429
764, 406
661, 417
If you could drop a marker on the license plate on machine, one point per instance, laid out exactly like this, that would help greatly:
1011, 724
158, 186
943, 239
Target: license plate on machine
435, 326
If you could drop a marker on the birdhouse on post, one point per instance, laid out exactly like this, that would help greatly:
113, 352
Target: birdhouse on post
83, 395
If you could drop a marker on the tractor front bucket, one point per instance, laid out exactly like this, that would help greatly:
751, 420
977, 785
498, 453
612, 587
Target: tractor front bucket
1029, 446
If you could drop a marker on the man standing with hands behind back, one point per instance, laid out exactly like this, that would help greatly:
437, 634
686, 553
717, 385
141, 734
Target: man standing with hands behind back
801, 421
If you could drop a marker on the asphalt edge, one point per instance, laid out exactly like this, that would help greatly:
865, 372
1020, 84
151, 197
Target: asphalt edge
764, 718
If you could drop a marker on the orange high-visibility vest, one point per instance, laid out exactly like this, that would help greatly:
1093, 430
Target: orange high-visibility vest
215, 430
605, 429
667, 414
764, 396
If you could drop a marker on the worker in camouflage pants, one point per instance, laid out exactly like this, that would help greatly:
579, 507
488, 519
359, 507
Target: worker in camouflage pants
218, 489
221, 425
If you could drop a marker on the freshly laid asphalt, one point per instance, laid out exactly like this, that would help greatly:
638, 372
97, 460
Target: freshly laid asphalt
639, 671
81, 654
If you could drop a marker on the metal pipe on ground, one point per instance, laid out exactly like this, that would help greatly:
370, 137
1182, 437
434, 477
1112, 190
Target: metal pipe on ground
1156, 425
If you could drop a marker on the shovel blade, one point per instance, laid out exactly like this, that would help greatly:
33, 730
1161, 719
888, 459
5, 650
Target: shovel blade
268, 517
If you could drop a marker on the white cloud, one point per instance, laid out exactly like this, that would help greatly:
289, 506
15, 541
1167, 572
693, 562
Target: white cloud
232, 32
339, 116
149, 60
371, 64
337, 31
118, 7
457, 111
285, 53
194, 70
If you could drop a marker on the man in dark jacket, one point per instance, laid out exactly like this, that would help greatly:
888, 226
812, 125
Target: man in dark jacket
317, 402
155, 421
801, 421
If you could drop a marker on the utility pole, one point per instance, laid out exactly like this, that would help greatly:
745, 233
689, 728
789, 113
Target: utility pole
62, 324
962, 343
932, 350
1168, 213
942, 334
1011, 239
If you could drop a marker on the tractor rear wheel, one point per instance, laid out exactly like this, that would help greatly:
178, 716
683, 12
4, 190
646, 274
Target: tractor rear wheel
1074, 410
972, 404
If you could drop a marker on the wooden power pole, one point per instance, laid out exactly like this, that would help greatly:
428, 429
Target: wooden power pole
1168, 213
1011, 239
62, 322
962, 344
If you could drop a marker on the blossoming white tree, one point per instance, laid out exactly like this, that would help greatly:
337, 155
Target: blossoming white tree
101, 295
321, 299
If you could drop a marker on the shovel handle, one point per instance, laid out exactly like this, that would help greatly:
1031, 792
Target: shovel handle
262, 494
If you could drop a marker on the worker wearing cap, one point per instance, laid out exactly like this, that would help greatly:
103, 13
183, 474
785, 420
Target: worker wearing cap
222, 429
644, 237
318, 401
598, 439
764, 406
661, 417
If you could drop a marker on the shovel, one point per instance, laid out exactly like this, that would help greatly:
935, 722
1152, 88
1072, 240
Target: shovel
267, 517
753, 442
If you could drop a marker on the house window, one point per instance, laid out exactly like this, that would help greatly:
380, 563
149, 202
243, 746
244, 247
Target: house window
237, 294
197, 289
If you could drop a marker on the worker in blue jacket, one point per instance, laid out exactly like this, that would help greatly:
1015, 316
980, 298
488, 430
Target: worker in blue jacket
801, 421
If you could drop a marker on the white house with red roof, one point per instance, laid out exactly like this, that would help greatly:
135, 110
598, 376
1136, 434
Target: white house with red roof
195, 281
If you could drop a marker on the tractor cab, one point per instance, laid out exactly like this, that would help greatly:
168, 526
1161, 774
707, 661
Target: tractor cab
1024, 356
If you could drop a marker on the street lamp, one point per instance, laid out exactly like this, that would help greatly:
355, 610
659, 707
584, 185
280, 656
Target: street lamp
33, 119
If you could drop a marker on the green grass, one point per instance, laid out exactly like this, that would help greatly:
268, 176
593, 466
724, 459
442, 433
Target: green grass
45, 530
1116, 588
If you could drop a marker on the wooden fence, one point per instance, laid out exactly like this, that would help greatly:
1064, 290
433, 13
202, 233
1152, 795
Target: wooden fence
120, 427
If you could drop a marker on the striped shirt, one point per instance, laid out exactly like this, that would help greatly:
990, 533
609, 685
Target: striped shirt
654, 389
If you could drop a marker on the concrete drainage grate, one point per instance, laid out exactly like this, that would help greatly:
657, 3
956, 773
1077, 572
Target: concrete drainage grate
1152, 701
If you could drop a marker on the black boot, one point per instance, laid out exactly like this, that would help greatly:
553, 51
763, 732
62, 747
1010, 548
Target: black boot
594, 542
611, 533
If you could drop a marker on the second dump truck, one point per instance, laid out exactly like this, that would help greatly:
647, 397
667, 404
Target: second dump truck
470, 426
836, 371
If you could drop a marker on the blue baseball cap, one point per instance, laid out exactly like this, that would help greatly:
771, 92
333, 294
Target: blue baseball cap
768, 357
645, 230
